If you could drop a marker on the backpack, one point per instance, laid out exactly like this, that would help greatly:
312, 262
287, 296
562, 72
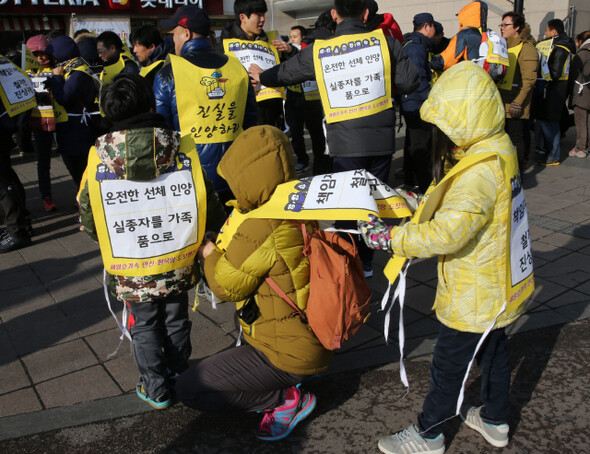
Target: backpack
493, 55
339, 297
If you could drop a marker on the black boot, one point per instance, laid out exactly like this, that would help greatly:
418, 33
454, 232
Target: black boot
11, 241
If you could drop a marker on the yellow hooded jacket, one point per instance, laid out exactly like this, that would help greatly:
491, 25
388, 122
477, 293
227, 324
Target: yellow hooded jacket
469, 230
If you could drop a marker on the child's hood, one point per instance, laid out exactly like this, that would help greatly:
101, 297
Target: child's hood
466, 105
473, 15
138, 154
258, 161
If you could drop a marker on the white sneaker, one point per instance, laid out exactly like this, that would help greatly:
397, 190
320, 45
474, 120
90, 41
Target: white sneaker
496, 435
410, 441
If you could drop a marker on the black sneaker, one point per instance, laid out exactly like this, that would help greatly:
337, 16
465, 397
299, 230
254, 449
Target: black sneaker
10, 242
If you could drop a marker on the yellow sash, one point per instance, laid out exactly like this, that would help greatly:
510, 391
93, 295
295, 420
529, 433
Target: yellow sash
211, 102
519, 283
260, 53
145, 70
16, 90
352, 74
513, 53
149, 227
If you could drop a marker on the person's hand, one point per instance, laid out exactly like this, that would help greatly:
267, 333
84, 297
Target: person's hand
254, 72
375, 233
206, 249
282, 46
515, 110
58, 71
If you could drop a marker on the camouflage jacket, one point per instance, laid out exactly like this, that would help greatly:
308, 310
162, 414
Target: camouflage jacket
141, 154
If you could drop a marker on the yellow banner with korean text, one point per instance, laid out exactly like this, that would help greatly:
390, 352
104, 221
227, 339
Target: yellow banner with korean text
211, 102
261, 53
16, 89
353, 75
149, 227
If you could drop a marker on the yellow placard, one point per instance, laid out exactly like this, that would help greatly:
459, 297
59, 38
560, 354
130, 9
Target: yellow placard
29, 61
211, 102
353, 75
16, 89
261, 53
153, 227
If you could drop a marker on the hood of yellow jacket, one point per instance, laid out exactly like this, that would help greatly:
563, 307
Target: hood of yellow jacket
466, 105
258, 161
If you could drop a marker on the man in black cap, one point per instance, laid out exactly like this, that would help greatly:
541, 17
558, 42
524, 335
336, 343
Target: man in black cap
418, 141
203, 93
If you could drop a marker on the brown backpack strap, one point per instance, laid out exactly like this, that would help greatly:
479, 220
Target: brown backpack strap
279, 291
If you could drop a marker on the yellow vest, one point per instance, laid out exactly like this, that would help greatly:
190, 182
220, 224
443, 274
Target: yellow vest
507, 82
518, 265
545, 48
352, 74
16, 90
261, 53
77, 64
38, 78
110, 71
149, 227
145, 70
211, 102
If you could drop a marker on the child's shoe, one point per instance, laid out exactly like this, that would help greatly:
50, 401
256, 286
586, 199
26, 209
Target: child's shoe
279, 422
410, 441
495, 434
159, 403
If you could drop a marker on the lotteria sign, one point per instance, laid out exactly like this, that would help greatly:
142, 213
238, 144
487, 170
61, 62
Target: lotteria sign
163, 7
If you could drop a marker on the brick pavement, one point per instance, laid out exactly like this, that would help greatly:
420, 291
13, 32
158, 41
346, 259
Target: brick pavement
56, 334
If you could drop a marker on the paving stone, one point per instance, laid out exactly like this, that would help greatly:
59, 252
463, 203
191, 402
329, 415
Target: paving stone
423, 270
207, 338
546, 290
421, 299
536, 320
106, 342
22, 302
13, 377
575, 311
548, 252
12, 261
7, 351
562, 240
576, 214
123, 370
538, 232
46, 332
567, 298
575, 261
49, 363
18, 277
81, 386
18, 402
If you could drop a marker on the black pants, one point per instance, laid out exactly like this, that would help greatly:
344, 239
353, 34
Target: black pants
270, 112
518, 129
295, 118
417, 152
314, 117
161, 340
12, 192
238, 379
76, 165
379, 166
43, 144
452, 353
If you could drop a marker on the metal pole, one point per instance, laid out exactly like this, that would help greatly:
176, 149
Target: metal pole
518, 6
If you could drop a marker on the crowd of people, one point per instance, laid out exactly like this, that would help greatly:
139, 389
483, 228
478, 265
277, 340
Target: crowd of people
178, 121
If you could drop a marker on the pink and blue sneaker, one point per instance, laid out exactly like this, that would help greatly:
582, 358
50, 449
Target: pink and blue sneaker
279, 422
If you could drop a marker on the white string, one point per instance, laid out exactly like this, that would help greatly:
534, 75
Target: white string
400, 292
122, 325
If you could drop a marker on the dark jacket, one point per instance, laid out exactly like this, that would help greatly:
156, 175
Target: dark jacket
144, 148
373, 135
76, 91
200, 53
159, 54
580, 72
549, 96
417, 47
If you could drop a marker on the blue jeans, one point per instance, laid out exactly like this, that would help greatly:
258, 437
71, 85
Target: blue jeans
547, 136
452, 353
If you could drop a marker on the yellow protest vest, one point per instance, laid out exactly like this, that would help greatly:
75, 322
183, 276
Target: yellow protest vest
260, 53
16, 90
145, 70
518, 286
545, 48
38, 77
211, 102
352, 74
310, 90
77, 64
513, 53
108, 72
147, 228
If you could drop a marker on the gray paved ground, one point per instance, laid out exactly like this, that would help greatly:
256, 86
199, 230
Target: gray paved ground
56, 335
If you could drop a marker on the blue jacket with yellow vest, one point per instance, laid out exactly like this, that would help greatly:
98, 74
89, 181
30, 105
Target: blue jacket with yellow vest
200, 53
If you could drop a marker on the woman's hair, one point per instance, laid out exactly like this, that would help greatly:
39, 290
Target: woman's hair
126, 96
583, 36
442, 153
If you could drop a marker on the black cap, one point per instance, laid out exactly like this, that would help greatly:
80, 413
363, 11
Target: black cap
190, 17
423, 18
